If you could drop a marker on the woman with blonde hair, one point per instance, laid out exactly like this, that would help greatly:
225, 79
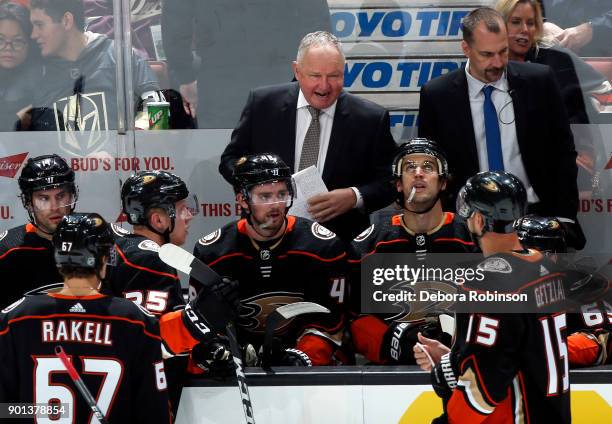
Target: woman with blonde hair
526, 42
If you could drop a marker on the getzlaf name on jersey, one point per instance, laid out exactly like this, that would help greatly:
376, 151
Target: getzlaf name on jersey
391, 235
114, 345
509, 366
307, 263
140, 275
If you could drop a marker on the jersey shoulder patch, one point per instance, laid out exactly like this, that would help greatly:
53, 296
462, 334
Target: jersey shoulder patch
118, 230
321, 232
148, 245
210, 238
496, 264
13, 305
365, 234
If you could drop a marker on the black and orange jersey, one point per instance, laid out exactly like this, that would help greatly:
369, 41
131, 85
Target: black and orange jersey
139, 275
391, 235
509, 367
113, 344
307, 263
26, 263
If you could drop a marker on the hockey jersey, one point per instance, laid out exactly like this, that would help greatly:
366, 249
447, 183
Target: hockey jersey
26, 264
307, 263
113, 344
391, 235
139, 275
510, 367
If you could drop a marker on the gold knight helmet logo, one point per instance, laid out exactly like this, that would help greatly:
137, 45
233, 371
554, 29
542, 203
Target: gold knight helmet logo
82, 122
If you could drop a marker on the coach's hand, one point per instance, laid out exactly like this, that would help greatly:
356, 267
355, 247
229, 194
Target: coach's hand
326, 206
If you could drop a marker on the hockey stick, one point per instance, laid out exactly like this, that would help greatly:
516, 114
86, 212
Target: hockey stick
72, 372
185, 262
281, 314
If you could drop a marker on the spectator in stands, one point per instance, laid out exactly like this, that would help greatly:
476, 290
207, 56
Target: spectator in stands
241, 44
585, 26
78, 91
19, 65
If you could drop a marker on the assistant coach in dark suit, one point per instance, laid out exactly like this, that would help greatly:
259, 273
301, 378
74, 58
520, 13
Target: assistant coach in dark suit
354, 147
526, 131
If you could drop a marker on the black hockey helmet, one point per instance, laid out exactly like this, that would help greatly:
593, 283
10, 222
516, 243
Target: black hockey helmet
151, 189
260, 169
541, 233
420, 146
81, 240
499, 196
45, 172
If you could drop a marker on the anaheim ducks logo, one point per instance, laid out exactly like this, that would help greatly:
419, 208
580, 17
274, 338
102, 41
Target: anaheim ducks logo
147, 179
365, 234
490, 186
97, 222
211, 238
419, 309
241, 161
255, 310
553, 225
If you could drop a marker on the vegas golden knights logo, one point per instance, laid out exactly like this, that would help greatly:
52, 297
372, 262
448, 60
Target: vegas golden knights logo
255, 310
82, 122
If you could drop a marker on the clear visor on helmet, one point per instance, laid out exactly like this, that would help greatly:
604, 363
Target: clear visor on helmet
428, 167
273, 192
53, 199
463, 209
188, 207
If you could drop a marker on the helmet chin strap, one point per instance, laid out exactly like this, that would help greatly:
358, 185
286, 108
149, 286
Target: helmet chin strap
165, 235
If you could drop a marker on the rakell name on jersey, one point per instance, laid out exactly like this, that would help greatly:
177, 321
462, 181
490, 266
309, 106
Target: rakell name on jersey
76, 331
549, 292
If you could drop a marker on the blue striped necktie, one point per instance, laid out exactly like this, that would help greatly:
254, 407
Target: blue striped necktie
494, 149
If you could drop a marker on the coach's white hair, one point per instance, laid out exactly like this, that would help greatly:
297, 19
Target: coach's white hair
316, 39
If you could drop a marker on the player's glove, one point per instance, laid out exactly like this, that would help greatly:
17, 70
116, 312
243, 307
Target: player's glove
214, 357
294, 357
228, 291
398, 341
443, 377
216, 305
279, 355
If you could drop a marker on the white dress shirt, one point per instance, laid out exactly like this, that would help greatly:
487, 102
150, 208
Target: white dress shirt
326, 121
511, 154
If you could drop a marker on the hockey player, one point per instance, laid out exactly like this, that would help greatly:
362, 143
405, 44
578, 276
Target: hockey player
113, 343
589, 342
421, 173
48, 192
278, 259
502, 367
156, 204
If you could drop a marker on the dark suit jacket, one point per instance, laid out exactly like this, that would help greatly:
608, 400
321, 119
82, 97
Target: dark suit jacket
544, 137
359, 155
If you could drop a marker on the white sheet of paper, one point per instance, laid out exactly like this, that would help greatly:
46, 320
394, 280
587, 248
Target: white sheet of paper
308, 183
